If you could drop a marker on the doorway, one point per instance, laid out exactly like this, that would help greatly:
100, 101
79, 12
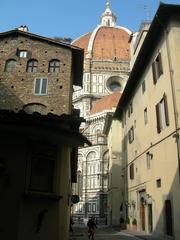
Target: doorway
168, 218
150, 218
142, 213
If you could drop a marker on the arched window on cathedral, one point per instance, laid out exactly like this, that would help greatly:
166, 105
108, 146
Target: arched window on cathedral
91, 156
54, 66
10, 65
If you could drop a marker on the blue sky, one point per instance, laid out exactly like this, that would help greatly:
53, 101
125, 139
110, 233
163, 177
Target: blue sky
73, 18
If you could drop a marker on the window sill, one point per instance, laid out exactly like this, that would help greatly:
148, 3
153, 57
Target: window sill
41, 195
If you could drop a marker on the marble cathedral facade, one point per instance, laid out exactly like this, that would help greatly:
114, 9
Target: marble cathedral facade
106, 70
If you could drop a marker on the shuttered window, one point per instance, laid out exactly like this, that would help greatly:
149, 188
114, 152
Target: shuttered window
131, 134
157, 68
131, 171
162, 116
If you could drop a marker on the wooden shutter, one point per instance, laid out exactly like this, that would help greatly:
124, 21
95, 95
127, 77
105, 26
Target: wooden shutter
17, 52
166, 109
154, 72
160, 68
158, 118
131, 171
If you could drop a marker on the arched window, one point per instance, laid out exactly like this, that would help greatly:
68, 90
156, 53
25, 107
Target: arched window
32, 65
91, 156
35, 107
10, 65
54, 66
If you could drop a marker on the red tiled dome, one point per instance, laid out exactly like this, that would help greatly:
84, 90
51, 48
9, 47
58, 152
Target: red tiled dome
106, 43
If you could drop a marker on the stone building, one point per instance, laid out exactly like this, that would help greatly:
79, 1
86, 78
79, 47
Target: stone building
148, 114
106, 69
39, 134
34, 72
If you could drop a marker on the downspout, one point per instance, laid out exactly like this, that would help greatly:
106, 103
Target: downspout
171, 73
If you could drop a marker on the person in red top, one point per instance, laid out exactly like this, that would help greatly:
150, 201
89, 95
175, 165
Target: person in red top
91, 228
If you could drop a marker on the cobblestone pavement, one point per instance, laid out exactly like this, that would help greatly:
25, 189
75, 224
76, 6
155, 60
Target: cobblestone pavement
102, 234
106, 233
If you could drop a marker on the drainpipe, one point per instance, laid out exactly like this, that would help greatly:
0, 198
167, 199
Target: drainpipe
171, 73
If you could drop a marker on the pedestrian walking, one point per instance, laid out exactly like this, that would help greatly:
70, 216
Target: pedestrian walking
71, 225
91, 228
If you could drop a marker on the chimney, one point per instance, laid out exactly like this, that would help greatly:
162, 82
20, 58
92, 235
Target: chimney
23, 28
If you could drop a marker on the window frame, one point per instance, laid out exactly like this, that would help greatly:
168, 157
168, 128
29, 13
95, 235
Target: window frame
23, 53
40, 86
33, 66
54, 67
9, 61
35, 188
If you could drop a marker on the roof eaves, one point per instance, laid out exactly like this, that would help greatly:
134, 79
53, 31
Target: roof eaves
155, 32
28, 34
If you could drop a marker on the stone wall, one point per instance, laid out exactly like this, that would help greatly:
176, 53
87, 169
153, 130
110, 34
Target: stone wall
17, 87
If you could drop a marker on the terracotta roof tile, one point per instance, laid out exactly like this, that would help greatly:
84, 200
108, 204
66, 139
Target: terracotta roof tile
106, 103
109, 42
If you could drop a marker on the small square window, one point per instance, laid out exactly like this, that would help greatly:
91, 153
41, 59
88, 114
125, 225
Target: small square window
23, 54
158, 183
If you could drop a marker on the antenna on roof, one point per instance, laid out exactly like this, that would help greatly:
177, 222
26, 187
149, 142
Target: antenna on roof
147, 12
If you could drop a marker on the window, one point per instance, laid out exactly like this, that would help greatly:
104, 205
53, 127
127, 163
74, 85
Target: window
162, 114
42, 167
158, 183
40, 86
157, 69
143, 86
89, 207
23, 54
131, 135
32, 65
54, 66
145, 116
148, 159
131, 171
10, 65
94, 207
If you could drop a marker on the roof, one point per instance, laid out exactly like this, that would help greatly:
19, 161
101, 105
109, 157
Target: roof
106, 103
106, 42
163, 15
77, 53
64, 128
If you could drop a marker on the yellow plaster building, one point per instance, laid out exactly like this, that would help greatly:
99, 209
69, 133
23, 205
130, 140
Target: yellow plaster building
148, 111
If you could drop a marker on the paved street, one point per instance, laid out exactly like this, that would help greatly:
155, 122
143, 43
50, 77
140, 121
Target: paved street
102, 234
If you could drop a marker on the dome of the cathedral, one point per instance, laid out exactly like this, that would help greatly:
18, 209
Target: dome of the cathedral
107, 41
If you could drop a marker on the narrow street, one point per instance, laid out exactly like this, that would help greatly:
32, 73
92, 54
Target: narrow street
105, 234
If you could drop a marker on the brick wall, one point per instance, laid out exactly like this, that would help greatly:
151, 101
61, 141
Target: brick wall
17, 87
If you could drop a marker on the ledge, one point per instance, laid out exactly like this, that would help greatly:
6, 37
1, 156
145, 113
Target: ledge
41, 195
